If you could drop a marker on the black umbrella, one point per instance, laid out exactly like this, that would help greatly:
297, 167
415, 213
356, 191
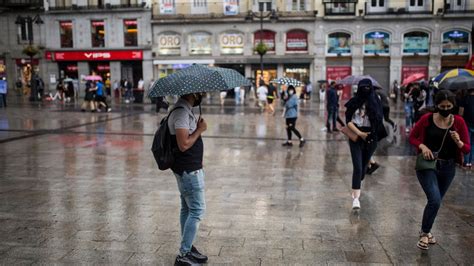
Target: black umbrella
457, 83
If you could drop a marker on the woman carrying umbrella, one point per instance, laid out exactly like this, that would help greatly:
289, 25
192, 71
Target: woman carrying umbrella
290, 113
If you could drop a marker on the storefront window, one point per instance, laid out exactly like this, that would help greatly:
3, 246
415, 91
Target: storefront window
232, 43
200, 43
297, 41
68, 70
456, 42
65, 30
298, 72
339, 43
130, 32
416, 42
98, 33
377, 43
267, 37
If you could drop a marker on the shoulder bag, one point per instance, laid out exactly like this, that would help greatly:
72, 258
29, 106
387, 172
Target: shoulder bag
424, 164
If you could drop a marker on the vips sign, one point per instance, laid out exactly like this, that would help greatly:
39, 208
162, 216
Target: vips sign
232, 43
169, 44
98, 56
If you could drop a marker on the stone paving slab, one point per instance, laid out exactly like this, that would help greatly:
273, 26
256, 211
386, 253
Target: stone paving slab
84, 189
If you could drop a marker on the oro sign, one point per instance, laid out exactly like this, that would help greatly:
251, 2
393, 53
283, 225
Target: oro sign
169, 44
232, 43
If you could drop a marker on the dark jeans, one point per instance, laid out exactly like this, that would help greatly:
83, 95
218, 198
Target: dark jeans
291, 127
361, 152
332, 117
386, 115
435, 183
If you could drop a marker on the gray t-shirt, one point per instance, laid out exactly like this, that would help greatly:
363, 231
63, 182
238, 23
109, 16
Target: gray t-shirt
182, 118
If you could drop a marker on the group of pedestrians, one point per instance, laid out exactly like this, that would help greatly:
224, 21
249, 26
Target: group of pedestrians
95, 97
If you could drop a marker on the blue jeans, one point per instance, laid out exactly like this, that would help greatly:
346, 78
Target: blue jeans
361, 152
193, 206
468, 157
435, 183
409, 116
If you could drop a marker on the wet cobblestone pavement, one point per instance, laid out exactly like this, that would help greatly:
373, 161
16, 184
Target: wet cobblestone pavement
84, 188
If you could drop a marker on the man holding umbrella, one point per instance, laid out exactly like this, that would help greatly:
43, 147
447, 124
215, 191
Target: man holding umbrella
186, 130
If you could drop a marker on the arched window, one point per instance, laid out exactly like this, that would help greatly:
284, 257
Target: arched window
169, 43
416, 42
267, 37
200, 43
232, 42
297, 41
377, 43
339, 43
456, 42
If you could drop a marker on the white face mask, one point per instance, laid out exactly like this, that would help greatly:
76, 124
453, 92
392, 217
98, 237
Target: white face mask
291, 92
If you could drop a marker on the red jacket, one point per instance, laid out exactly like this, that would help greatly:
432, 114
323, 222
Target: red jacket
417, 135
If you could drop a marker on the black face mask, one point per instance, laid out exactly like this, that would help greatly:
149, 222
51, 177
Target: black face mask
364, 91
197, 100
445, 113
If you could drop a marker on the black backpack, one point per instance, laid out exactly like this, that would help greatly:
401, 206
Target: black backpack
162, 147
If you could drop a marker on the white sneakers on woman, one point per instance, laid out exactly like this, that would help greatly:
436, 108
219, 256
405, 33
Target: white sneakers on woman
355, 204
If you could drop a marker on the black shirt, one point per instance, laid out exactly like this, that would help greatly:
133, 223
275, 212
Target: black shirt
434, 138
468, 115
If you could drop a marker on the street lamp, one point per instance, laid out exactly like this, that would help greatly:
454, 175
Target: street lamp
28, 21
261, 15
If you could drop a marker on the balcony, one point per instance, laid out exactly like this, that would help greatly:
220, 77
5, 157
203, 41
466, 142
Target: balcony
21, 3
458, 7
340, 7
107, 7
397, 8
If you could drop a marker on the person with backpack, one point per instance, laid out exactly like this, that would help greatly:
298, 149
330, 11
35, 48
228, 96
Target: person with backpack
185, 133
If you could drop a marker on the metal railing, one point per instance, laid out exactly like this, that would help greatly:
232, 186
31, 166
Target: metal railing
458, 7
21, 3
340, 7
398, 7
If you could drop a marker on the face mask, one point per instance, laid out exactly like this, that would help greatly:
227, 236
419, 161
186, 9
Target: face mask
364, 91
291, 92
197, 100
445, 113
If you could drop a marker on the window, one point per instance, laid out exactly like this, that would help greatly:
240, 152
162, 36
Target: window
24, 31
98, 33
379, 3
199, 7
416, 42
65, 30
130, 32
298, 5
339, 43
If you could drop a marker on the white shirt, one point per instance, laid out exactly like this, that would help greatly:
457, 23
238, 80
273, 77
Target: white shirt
262, 92
141, 84
360, 117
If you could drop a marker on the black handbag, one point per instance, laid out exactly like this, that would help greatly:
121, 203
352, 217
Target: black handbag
424, 164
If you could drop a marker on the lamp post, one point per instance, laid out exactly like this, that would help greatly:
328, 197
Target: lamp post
261, 48
28, 21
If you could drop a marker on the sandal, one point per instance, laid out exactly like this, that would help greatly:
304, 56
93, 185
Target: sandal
423, 243
431, 239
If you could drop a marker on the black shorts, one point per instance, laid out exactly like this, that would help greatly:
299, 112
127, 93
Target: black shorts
269, 101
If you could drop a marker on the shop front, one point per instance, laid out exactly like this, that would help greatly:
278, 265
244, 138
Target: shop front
24, 70
455, 49
377, 57
166, 67
337, 70
297, 71
68, 70
269, 73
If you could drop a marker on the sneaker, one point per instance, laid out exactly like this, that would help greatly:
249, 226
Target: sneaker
198, 257
372, 168
185, 260
287, 144
302, 143
355, 204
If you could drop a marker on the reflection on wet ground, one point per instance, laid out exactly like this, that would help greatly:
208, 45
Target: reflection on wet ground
83, 188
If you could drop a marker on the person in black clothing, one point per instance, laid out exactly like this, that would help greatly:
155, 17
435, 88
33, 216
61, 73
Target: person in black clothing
466, 110
332, 105
363, 116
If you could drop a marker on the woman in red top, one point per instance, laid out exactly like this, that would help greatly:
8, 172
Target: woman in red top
427, 136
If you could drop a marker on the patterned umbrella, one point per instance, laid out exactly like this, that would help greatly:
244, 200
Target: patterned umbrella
93, 77
288, 81
457, 83
198, 78
354, 80
453, 73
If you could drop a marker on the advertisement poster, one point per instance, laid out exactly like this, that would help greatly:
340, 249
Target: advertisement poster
297, 40
167, 7
416, 43
410, 70
231, 7
232, 43
200, 43
336, 73
377, 43
456, 42
268, 39
339, 43
169, 43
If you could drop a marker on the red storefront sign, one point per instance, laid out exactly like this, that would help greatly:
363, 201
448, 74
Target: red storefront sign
410, 70
103, 68
26, 61
337, 73
297, 40
98, 55
48, 55
268, 39
71, 68
130, 22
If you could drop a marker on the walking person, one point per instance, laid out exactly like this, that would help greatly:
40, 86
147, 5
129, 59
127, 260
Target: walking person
237, 95
59, 92
309, 90
364, 117
290, 113
262, 93
3, 92
409, 113
271, 96
128, 90
441, 136
101, 98
466, 110
394, 92
332, 105
88, 98
186, 131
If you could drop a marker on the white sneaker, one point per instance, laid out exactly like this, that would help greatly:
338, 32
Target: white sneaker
355, 204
